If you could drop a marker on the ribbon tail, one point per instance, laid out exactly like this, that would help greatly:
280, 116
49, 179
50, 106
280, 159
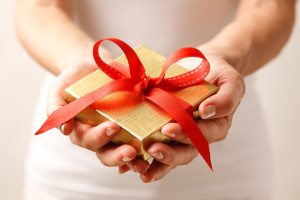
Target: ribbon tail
70, 110
174, 107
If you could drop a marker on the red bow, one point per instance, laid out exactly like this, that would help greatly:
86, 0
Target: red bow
153, 89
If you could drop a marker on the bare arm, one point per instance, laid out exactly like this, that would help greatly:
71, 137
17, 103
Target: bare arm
256, 35
47, 30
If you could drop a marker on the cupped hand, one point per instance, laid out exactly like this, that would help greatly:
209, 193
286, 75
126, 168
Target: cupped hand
216, 113
95, 138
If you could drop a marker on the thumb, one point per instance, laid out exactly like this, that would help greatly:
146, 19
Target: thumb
56, 101
224, 102
56, 93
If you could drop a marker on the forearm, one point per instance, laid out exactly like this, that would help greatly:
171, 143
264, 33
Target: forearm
257, 34
47, 31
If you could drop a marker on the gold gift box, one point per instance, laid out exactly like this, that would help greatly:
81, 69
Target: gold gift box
140, 119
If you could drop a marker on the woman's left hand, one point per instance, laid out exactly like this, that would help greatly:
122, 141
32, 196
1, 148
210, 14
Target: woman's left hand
216, 113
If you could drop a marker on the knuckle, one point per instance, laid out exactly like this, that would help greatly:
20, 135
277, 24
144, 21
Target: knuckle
78, 132
88, 143
223, 136
224, 125
73, 139
105, 163
221, 123
186, 159
103, 160
230, 104
236, 75
206, 130
100, 136
189, 156
185, 138
93, 141
240, 83
170, 158
229, 121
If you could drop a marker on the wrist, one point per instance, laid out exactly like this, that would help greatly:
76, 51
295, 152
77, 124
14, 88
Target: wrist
234, 50
237, 59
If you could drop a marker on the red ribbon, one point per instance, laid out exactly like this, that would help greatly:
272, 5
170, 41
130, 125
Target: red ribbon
157, 90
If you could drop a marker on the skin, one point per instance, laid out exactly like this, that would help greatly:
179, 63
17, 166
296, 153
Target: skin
241, 48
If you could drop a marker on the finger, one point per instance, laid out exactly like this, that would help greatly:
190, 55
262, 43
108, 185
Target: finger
123, 169
138, 165
73, 73
215, 129
225, 101
112, 155
55, 95
93, 138
156, 172
174, 131
68, 76
55, 101
67, 127
177, 154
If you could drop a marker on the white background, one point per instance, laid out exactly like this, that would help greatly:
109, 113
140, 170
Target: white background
20, 77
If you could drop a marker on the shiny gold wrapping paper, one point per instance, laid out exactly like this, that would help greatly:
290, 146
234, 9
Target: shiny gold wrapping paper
140, 119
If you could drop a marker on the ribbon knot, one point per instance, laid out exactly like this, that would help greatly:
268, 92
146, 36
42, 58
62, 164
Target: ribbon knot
145, 85
155, 90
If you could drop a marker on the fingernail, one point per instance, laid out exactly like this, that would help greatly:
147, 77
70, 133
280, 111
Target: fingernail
126, 159
62, 128
158, 155
171, 135
208, 112
110, 131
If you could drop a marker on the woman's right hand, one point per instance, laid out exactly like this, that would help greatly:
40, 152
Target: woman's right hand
95, 138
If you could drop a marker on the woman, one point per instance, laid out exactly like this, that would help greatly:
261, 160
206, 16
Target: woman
238, 37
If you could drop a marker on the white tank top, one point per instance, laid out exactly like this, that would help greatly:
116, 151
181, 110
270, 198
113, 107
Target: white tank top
241, 162
164, 25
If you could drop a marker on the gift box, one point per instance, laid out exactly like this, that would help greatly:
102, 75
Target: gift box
140, 119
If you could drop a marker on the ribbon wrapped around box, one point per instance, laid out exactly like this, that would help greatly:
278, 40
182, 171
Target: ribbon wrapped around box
139, 97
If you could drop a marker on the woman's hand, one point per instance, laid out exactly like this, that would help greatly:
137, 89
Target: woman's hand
95, 138
247, 47
216, 113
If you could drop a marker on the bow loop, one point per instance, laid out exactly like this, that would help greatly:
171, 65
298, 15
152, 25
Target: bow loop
136, 68
189, 78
